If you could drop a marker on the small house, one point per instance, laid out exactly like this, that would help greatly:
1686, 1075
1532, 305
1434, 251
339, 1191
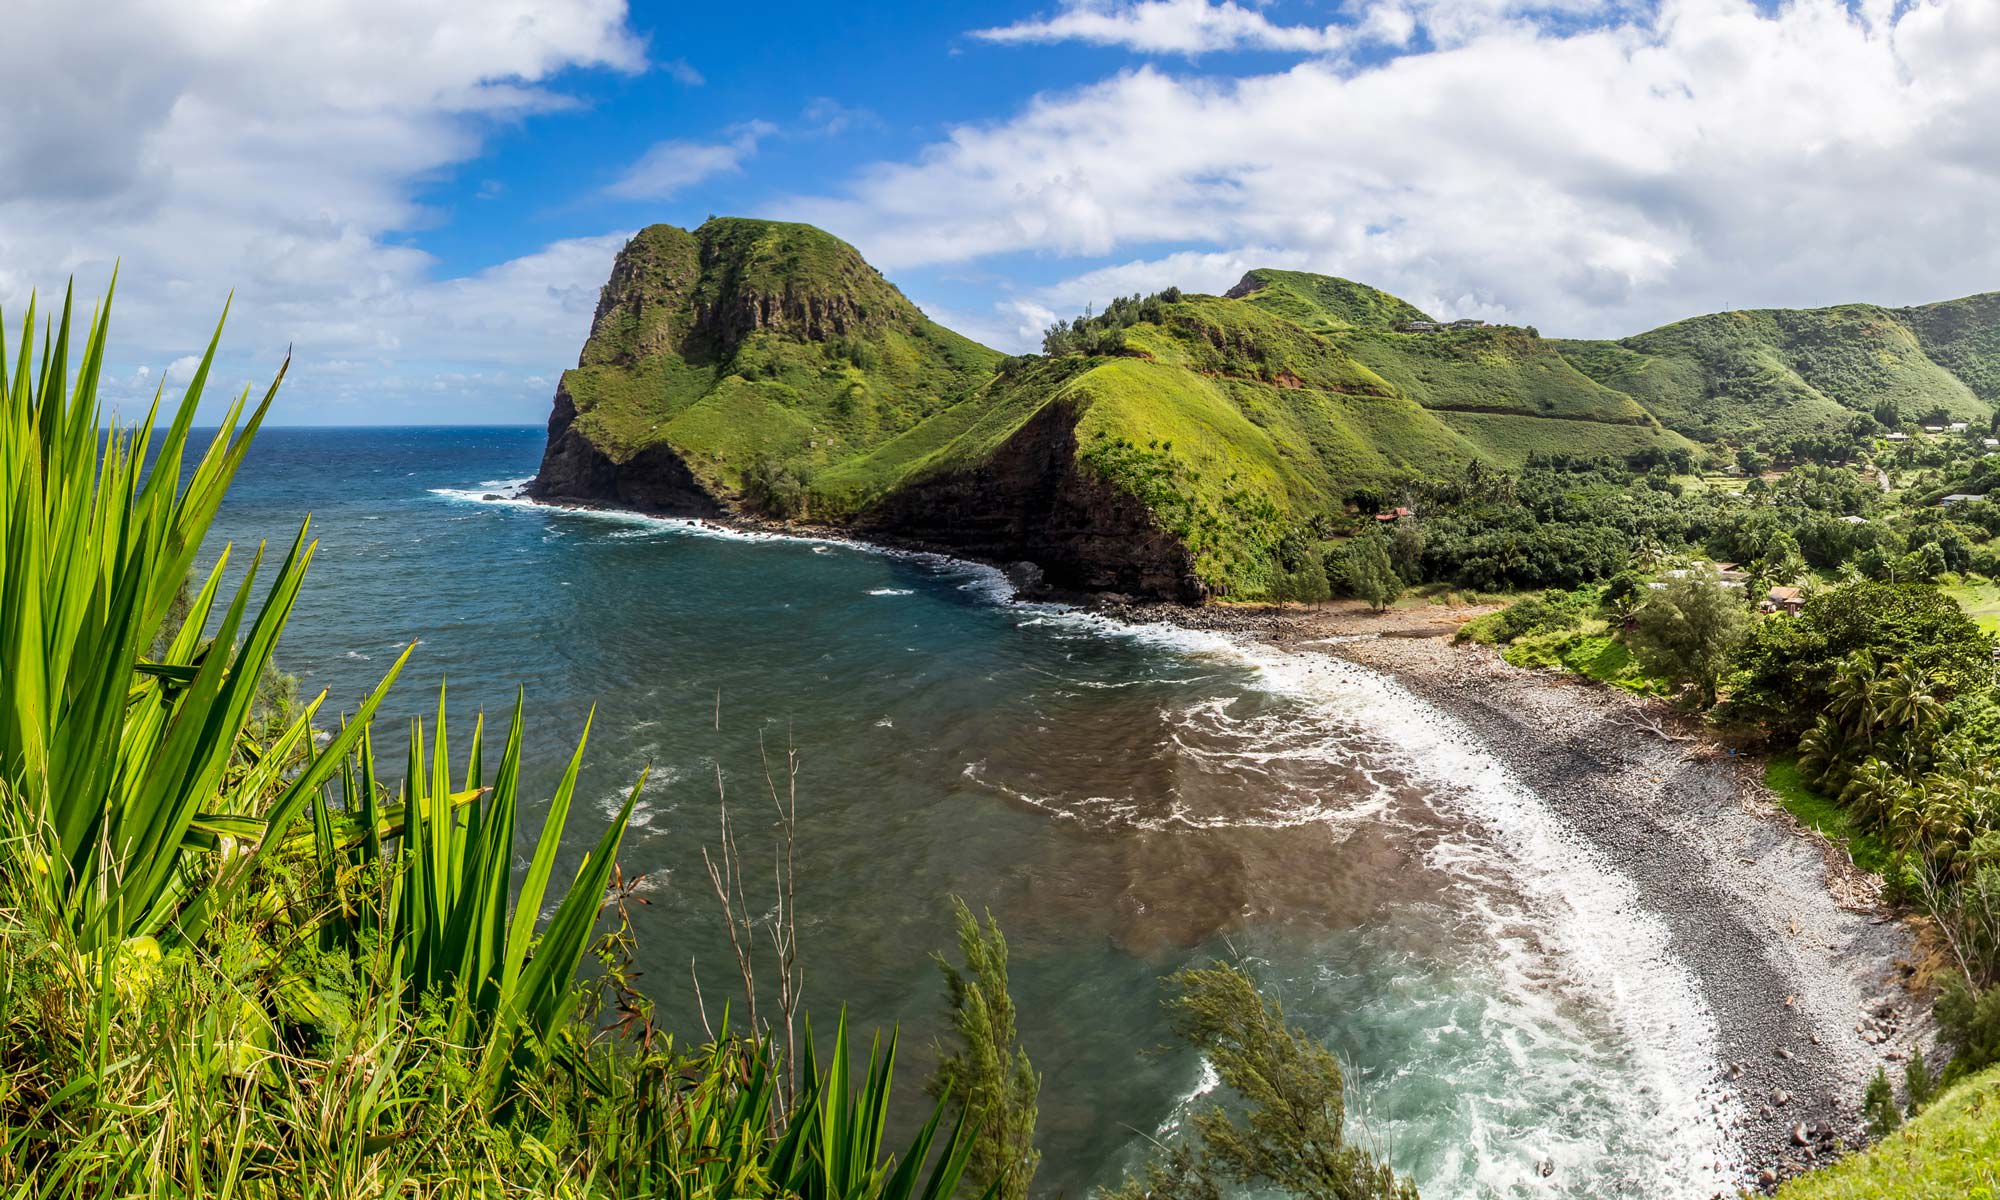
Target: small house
1395, 514
1897, 437
1989, 443
1787, 600
1855, 520
1933, 429
1957, 426
1960, 498
1419, 327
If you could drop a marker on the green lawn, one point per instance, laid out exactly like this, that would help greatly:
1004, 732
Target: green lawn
1981, 602
1587, 649
1950, 1151
1819, 812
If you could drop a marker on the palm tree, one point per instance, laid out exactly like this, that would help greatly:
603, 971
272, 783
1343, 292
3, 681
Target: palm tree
1906, 699
1854, 695
1874, 790
1823, 751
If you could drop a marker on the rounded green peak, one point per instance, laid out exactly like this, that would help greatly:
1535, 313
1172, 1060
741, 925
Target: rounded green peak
786, 256
1324, 300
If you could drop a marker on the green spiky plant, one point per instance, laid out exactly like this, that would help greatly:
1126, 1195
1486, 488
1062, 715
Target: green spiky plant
115, 764
233, 962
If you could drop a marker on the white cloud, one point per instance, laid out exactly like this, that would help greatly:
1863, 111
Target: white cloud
830, 118
671, 165
275, 150
1194, 27
1591, 177
683, 72
1168, 27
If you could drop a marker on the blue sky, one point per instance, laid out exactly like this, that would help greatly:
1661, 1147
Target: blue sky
421, 197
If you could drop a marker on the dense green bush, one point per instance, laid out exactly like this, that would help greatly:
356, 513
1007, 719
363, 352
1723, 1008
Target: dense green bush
1788, 667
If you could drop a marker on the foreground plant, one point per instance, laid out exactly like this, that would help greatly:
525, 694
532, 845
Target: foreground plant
1290, 1132
124, 816
234, 962
987, 1073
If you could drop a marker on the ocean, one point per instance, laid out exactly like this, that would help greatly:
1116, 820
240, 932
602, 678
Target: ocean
1125, 800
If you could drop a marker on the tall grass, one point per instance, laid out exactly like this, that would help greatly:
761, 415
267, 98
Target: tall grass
233, 961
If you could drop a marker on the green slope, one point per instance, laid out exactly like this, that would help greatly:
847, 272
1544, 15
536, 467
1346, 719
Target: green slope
756, 364
1963, 337
1950, 1151
1323, 303
747, 340
1234, 423
1768, 374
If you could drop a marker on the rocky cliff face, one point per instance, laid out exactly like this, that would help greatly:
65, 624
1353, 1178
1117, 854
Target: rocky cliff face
1032, 502
654, 480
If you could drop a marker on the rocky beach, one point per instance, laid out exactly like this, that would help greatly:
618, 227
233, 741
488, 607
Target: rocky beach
1807, 974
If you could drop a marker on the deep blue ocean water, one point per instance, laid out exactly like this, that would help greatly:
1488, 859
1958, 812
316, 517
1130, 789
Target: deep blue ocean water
1125, 801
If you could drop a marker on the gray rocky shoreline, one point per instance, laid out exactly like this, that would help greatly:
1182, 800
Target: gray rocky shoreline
1803, 969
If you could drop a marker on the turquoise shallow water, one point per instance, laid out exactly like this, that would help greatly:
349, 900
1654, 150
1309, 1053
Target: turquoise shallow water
1125, 801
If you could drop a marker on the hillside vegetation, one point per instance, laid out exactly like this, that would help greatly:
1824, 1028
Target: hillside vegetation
1950, 1151
765, 368
753, 339
1775, 372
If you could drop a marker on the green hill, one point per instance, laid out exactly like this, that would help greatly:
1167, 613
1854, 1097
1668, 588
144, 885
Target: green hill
1171, 445
743, 345
1950, 1151
1773, 373
1323, 303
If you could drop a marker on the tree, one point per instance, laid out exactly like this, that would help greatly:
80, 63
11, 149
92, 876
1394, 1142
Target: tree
988, 1076
1879, 1102
1292, 1132
1362, 569
1623, 594
1689, 631
1790, 666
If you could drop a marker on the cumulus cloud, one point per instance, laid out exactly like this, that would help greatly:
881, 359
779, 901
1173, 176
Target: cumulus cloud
275, 150
1168, 27
1591, 176
669, 166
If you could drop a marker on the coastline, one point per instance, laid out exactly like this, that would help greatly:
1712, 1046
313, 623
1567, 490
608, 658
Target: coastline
1800, 966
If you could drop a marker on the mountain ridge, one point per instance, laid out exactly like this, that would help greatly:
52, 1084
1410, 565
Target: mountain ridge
1171, 445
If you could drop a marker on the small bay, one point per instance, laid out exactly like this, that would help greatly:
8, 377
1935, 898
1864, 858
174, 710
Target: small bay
1125, 800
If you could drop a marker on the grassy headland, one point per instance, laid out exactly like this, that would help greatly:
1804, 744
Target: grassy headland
765, 368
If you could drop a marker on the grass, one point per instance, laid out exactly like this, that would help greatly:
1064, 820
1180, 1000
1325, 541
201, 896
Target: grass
1508, 440
1981, 602
1589, 649
1323, 302
1950, 1151
1821, 813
